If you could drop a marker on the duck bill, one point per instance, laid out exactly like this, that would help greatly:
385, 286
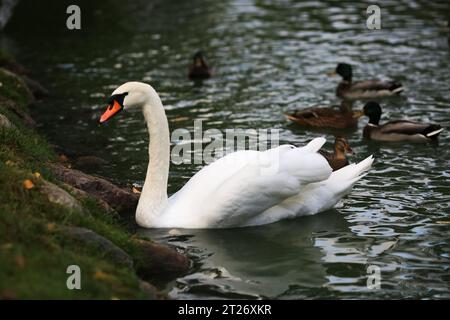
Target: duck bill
111, 111
199, 62
331, 73
349, 151
358, 114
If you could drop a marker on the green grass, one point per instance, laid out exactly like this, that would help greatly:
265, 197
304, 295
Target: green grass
34, 255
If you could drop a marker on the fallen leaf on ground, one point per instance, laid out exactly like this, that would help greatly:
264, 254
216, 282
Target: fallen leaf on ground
102, 276
135, 190
37, 175
28, 184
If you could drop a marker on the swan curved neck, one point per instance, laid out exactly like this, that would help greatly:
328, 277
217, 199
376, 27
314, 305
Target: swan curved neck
153, 198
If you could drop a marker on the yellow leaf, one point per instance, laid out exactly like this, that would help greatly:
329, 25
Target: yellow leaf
9, 163
100, 275
51, 226
37, 175
135, 190
28, 184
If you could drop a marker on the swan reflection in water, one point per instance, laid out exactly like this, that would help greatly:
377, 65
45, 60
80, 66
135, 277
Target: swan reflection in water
264, 261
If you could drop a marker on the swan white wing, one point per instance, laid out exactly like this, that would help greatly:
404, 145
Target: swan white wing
244, 184
316, 197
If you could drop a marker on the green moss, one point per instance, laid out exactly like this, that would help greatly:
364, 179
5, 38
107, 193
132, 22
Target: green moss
13, 87
6, 58
33, 256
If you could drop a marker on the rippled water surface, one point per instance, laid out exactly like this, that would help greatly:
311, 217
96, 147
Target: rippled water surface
269, 57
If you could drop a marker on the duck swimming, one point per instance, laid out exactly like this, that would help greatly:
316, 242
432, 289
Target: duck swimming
337, 117
243, 188
199, 68
399, 130
338, 158
347, 89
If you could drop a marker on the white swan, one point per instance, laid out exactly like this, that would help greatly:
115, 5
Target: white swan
244, 188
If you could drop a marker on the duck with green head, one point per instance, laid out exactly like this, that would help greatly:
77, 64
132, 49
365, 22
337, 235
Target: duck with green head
399, 130
347, 89
199, 69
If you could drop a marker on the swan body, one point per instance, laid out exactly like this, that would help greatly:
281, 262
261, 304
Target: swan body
243, 188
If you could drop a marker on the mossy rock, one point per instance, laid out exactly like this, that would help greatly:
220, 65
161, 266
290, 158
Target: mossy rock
13, 87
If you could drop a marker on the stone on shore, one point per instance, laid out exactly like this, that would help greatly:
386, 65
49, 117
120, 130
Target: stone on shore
123, 201
80, 194
5, 123
59, 196
18, 111
89, 162
105, 246
154, 259
150, 290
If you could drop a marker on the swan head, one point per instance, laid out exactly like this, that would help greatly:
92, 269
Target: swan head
129, 95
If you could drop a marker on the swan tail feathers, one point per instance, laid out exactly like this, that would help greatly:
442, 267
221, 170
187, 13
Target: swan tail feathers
315, 144
353, 170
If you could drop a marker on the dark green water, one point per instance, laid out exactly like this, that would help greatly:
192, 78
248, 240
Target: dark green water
269, 57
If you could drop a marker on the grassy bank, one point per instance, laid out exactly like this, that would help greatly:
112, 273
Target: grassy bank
35, 250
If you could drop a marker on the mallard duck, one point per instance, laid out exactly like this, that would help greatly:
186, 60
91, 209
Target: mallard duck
363, 89
400, 130
199, 68
338, 158
338, 117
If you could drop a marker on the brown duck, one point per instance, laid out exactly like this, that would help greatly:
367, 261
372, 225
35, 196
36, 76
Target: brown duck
347, 89
338, 117
338, 158
199, 68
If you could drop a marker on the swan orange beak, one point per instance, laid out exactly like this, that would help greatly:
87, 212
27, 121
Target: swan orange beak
111, 111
